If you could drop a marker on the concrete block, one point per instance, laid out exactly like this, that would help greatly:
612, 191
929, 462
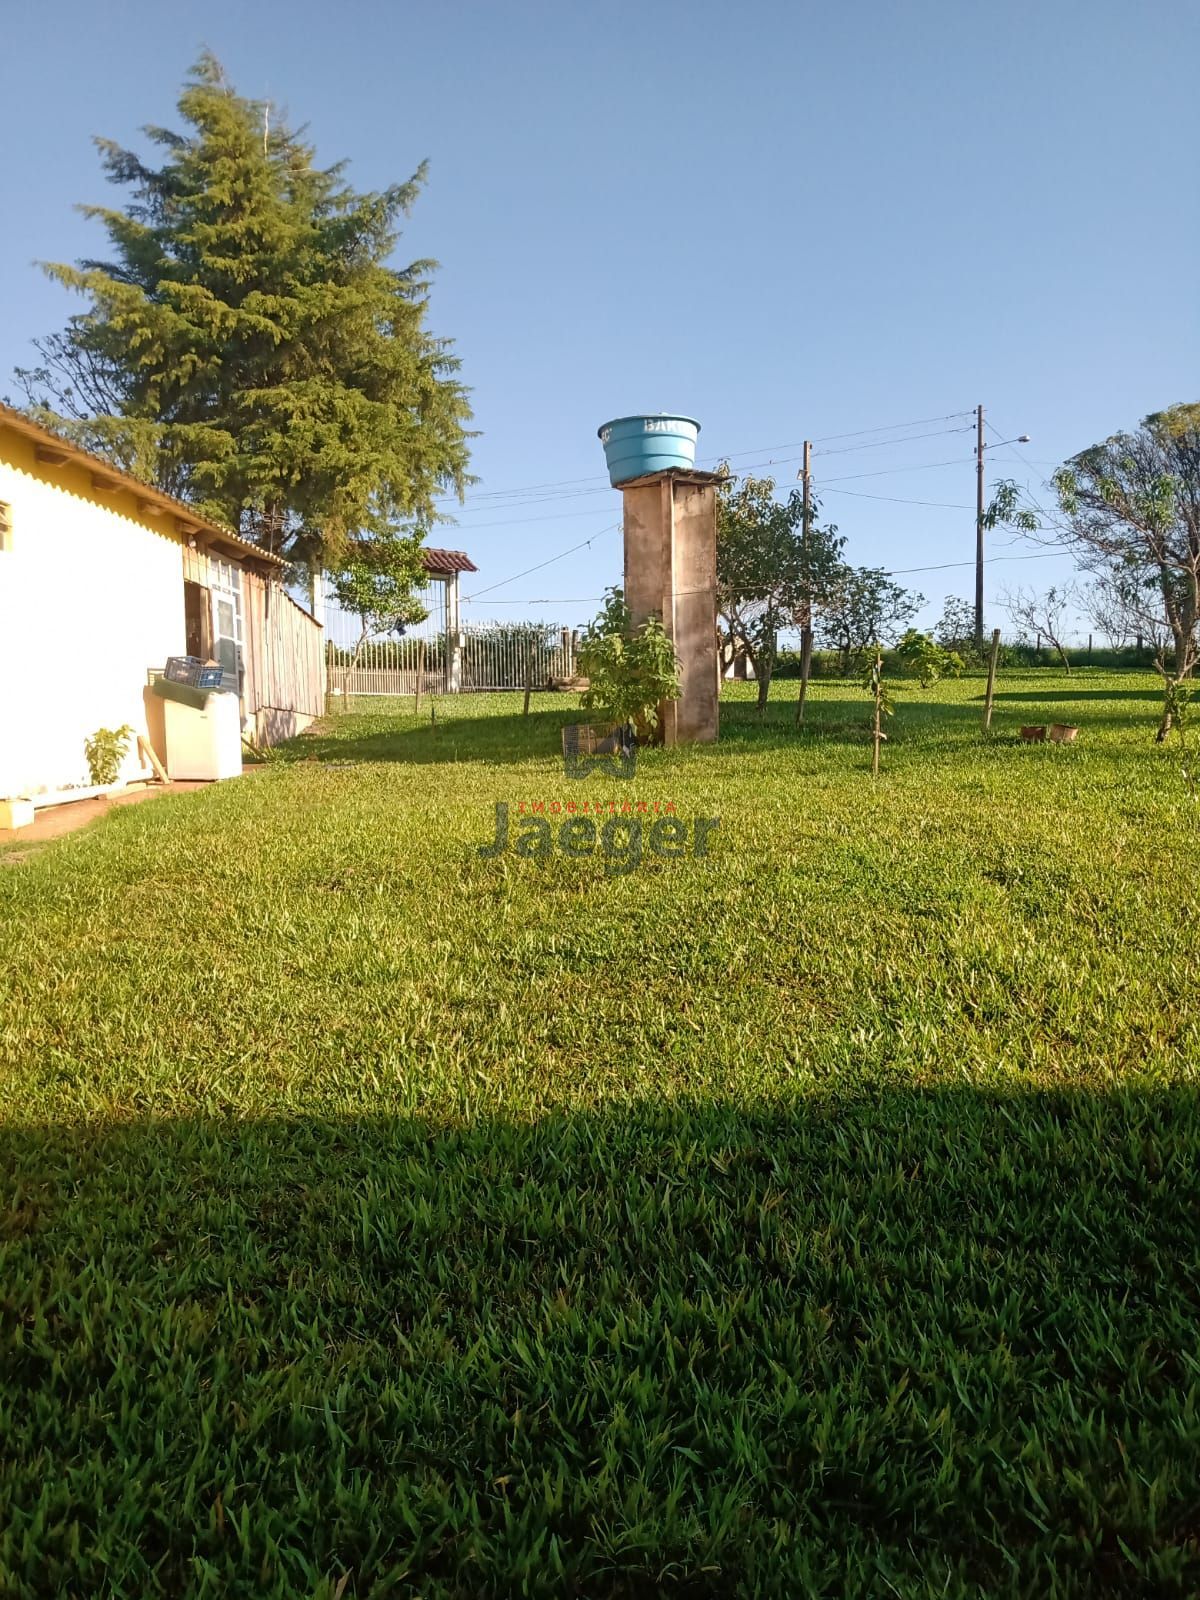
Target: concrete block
671, 571
16, 813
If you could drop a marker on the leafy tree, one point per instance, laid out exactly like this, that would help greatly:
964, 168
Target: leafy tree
863, 608
917, 656
770, 573
926, 660
1043, 613
1132, 510
631, 671
955, 629
247, 347
374, 581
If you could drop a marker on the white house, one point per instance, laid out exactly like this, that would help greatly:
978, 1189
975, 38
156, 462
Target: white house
101, 579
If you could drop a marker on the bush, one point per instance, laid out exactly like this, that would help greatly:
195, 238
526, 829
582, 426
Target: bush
105, 751
630, 670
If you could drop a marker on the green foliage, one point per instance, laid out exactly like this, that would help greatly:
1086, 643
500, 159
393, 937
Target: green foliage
1006, 510
247, 347
922, 658
863, 607
105, 751
769, 573
875, 683
630, 670
814, 1219
955, 631
374, 581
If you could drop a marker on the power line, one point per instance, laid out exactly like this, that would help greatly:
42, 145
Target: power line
918, 422
514, 522
600, 478
882, 444
901, 500
888, 472
549, 563
770, 461
678, 594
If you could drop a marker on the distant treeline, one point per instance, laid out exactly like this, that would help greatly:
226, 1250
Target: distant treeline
832, 664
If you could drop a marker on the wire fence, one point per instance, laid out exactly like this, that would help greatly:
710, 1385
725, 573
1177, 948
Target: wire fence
480, 656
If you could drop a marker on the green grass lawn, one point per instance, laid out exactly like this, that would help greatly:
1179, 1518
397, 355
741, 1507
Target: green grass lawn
815, 1217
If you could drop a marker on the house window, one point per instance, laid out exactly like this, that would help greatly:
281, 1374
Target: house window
226, 580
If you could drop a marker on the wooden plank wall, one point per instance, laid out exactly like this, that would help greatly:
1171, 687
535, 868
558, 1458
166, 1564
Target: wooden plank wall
284, 661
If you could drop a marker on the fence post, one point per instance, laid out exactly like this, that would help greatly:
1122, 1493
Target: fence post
420, 675
991, 679
528, 679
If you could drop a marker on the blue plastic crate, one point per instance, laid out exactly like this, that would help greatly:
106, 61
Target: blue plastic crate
192, 671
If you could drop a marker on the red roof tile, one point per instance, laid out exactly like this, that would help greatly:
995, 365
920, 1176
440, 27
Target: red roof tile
445, 561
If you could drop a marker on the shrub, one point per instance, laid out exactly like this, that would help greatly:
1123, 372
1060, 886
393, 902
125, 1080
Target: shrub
630, 670
105, 751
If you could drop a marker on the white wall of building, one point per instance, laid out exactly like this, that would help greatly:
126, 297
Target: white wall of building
90, 599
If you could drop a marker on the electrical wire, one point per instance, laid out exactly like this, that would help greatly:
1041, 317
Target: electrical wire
600, 478
901, 500
583, 545
888, 572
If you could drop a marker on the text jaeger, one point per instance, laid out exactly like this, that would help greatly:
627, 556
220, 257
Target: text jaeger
619, 840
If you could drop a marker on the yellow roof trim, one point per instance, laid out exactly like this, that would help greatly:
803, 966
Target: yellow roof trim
51, 450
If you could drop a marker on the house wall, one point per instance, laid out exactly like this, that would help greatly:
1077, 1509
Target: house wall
91, 597
284, 661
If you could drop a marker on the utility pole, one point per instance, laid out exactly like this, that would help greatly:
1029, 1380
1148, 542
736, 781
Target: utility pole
806, 628
978, 527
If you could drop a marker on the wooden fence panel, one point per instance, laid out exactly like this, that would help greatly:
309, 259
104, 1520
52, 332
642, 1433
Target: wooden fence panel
284, 684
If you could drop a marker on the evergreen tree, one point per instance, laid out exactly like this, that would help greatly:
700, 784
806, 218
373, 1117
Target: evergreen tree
248, 348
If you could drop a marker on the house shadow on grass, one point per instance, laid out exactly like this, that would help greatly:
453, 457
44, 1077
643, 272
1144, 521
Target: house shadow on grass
355, 737
941, 1338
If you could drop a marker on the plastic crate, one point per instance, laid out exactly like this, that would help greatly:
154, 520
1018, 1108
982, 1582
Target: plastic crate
192, 671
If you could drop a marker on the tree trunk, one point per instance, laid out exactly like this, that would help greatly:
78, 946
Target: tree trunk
763, 670
1062, 655
353, 667
806, 646
764, 682
877, 729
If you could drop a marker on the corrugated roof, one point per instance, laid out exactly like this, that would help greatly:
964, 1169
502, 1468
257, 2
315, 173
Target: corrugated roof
104, 474
447, 560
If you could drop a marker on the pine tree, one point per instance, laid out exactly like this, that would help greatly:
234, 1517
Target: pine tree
248, 348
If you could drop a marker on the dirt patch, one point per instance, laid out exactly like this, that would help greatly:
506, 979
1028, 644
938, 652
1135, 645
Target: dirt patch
55, 821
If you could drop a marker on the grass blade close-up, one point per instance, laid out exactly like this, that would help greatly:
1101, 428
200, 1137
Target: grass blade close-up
811, 1214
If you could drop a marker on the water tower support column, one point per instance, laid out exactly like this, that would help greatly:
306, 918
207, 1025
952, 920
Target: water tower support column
671, 572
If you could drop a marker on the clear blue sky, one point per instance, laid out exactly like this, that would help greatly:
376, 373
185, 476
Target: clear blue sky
787, 220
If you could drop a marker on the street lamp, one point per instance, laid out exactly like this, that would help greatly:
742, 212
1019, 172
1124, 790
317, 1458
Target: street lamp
980, 447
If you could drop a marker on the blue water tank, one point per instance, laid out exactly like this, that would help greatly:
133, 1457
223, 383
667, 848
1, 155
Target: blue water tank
635, 446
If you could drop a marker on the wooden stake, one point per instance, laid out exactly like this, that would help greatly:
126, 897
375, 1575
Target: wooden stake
877, 729
806, 630
991, 681
420, 675
146, 754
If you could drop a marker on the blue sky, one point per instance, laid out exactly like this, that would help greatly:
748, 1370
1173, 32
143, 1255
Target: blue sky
788, 221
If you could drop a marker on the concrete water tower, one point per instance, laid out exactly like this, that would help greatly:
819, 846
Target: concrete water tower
671, 556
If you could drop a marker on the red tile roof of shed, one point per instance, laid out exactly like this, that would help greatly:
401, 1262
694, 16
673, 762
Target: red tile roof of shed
448, 561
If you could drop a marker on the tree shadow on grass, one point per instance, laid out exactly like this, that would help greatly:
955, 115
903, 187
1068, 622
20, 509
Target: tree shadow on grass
1067, 694
944, 1339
